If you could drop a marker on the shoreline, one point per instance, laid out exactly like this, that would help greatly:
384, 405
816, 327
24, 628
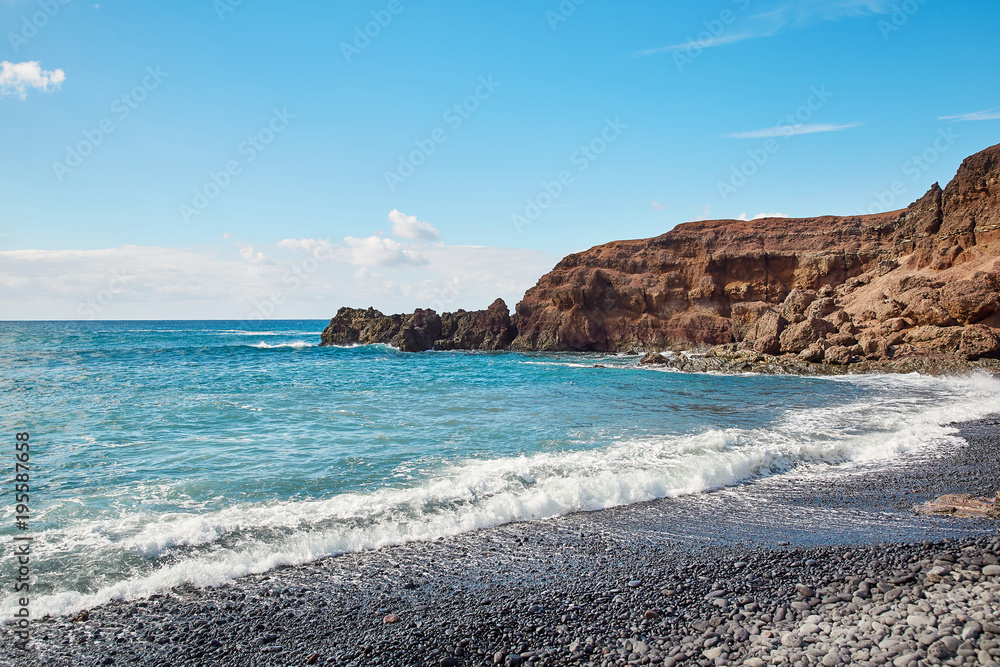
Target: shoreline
732, 361
564, 590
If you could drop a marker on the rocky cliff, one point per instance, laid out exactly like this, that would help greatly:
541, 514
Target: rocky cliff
919, 281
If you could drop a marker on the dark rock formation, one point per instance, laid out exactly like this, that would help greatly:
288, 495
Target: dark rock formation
419, 332
919, 282
489, 329
354, 326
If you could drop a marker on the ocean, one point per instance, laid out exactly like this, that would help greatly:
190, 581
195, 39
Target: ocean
170, 453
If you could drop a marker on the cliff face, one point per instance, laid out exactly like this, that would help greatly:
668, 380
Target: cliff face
920, 281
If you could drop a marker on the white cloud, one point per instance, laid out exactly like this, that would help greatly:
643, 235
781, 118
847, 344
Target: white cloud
807, 11
145, 282
373, 251
657, 206
253, 256
158, 283
761, 216
408, 227
788, 16
992, 114
378, 251
17, 78
708, 43
472, 277
790, 131
311, 246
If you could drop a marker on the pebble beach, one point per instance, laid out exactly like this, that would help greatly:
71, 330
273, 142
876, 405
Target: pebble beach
838, 571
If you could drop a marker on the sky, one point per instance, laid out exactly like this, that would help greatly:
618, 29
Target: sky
253, 159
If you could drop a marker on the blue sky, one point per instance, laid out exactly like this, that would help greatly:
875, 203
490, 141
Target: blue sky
250, 159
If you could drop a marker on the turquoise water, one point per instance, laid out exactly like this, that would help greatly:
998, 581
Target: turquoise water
194, 452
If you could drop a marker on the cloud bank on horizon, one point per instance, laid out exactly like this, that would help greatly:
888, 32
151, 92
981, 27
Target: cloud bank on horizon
288, 280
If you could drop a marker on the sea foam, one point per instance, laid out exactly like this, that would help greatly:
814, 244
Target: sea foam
207, 548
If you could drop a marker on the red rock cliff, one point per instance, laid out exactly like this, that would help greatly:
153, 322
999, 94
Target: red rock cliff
920, 280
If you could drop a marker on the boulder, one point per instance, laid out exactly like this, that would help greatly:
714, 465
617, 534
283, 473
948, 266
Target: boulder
797, 337
813, 355
767, 338
962, 505
489, 329
969, 301
843, 339
653, 359
419, 332
838, 355
355, 326
759, 325
925, 311
821, 307
979, 342
796, 302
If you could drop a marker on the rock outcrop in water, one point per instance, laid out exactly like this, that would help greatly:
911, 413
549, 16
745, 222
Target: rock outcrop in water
919, 282
489, 329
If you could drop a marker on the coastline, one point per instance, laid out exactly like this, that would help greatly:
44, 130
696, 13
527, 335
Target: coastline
729, 360
692, 580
